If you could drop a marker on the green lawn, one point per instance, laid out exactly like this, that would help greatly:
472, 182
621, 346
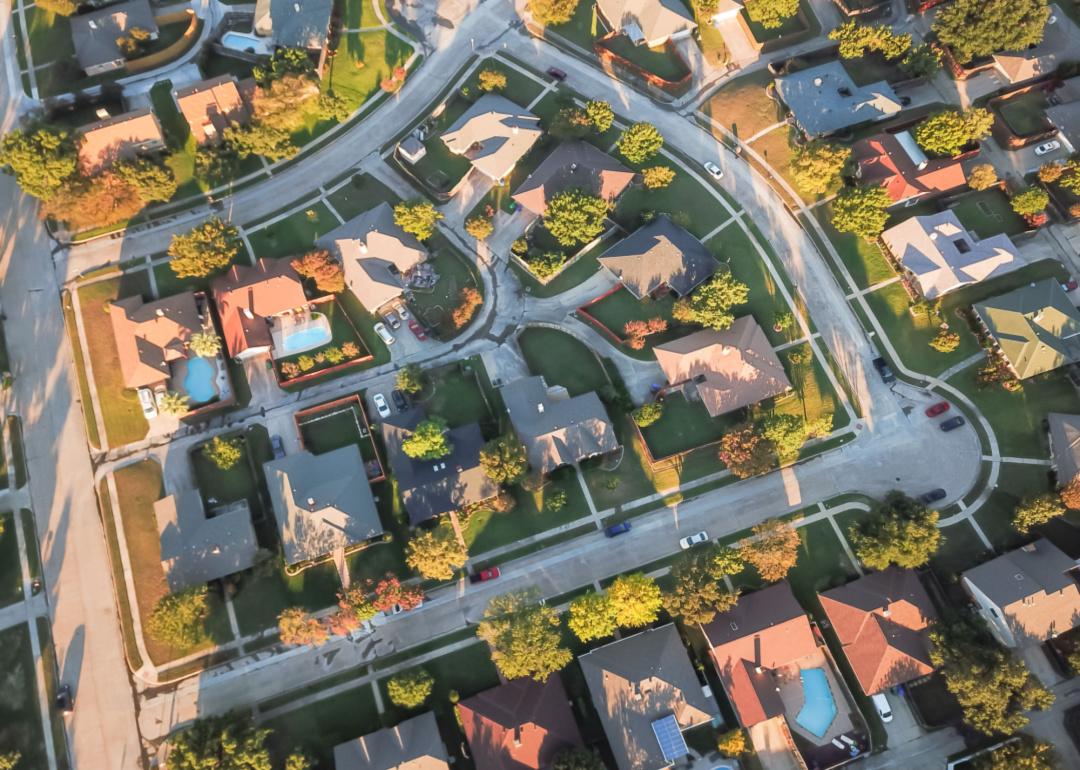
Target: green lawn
363, 193
324, 432
520, 88
239, 482
50, 36
361, 13
33, 550
562, 360
863, 259
453, 392
363, 60
961, 549
579, 272
11, 588
689, 204
441, 169
456, 272
364, 322
181, 143
987, 212
214, 65
18, 454
1014, 484
51, 672
814, 395
261, 598
742, 106
685, 425
583, 28
294, 234
616, 310
659, 61
321, 725
20, 719
1023, 114
168, 284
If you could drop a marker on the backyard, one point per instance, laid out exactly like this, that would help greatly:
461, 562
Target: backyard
293, 235
239, 482
803, 24
662, 62
456, 272
1024, 114
562, 360
987, 213
615, 310
454, 393
685, 425
580, 271
689, 204
335, 427
316, 360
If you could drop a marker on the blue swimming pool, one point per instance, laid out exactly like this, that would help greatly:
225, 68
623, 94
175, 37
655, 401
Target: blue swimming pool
818, 709
199, 382
314, 334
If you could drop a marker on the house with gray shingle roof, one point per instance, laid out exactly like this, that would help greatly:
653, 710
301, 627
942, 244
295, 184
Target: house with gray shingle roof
195, 548
415, 744
658, 257
301, 24
1064, 432
824, 99
94, 34
494, 134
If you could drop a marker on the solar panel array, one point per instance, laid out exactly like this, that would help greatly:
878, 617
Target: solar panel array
670, 738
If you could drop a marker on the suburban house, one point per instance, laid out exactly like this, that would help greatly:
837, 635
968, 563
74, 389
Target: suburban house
728, 369
251, 300
897, 163
494, 134
573, 165
430, 488
95, 34
520, 725
1021, 66
376, 255
1036, 328
824, 99
211, 106
647, 22
196, 548
647, 694
1064, 430
415, 744
556, 429
120, 138
152, 336
862, 9
296, 24
939, 255
659, 257
322, 503
1064, 113
1027, 596
882, 621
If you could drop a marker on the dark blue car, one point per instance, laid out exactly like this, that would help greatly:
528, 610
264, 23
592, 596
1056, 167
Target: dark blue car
617, 529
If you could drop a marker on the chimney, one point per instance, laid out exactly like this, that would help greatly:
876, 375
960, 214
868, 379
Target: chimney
539, 408
311, 503
515, 130
885, 611
517, 736
757, 669
363, 247
160, 313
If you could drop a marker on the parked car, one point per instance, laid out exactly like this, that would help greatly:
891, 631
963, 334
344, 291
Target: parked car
384, 334
1047, 147
952, 423
65, 700
403, 312
399, 399
939, 408
484, 575
714, 170
884, 370
881, 703
691, 540
381, 405
617, 529
556, 74
1070, 285
390, 319
146, 401
417, 329
278, 446
932, 496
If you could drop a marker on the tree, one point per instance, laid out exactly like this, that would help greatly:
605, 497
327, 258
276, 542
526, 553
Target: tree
992, 687
771, 14
901, 531
60, 8
230, 742
479, 227
205, 248
948, 132
577, 759
600, 115
711, 303
175, 404
862, 211
921, 61
356, 602
204, 344
973, 28
856, 39
259, 138
471, 299
410, 379
504, 460
410, 689
546, 264
817, 166
296, 626
657, 177
646, 414
103, 199
417, 218
428, 440
945, 341
523, 636
334, 107
284, 62
982, 177
555, 501
552, 12
179, 620
391, 592
1070, 493
640, 142
698, 592
299, 760
1030, 202
571, 122
745, 452
42, 159
772, 550
1023, 754
152, 181
1036, 510
635, 599
436, 554
224, 453
321, 268
573, 216
491, 80
9, 759
591, 617
732, 743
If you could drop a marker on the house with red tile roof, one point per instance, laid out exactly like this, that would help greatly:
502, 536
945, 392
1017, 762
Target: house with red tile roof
249, 298
520, 725
882, 621
895, 162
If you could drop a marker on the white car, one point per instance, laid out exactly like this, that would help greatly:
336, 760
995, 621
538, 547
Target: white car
384, 334
1046, 147
881, 703
146, 401
691, 540
403, 312
714, 170
381, 405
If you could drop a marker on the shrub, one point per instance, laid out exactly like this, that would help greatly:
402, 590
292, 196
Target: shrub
410, 689
479, 227
646, 414
178, 620
556, 501
982, 177
334, 355
657, 177
471, 300
492, 80
306, 363
350, 350
547, 264
224, 453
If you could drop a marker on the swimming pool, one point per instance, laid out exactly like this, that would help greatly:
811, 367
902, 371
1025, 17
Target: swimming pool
313, 333
199, 380
818, 709
241, 41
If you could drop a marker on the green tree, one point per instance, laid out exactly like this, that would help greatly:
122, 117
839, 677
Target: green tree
60, 8
224, 453
657, 177
646, 414
428, 440
504, 459
921, 61
555, 501
42, 159
552, 12
948, 132
333, 107
600, 115
817, 166
152, 181
862, 211
417, 218
523, 636
1030, 202
571, 122
547, 264
982, 177
260, 138
435, 554
491, 80
746, 452
207, 247
640, 142
205, 344
591, 617
285, 61
9, 759
299, 760
635, 599
901, 531
732, 743
771, 14
410, 379
711, 303
1023, 754
788, 432
356, 602
698, 592
479, 227
230, 742
772, 549
856, 39
577, 759
1037, 510
410, 689
179, 620
573, 216
973, 28
175, 404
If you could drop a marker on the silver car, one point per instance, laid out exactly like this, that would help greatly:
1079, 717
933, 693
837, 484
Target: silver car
146, 401
381, 405
714, 170
384, 334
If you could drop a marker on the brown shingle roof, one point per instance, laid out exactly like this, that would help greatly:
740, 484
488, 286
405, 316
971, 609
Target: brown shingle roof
210, 106
247, 296
151, 335
122, 137
573, 165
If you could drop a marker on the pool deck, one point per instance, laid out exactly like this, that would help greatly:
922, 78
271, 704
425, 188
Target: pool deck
791, 693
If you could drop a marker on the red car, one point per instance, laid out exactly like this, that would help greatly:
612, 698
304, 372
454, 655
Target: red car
417, 329
939, 408
485, 575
